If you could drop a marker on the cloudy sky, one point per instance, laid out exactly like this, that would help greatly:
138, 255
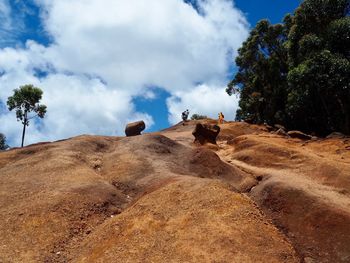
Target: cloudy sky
103, 63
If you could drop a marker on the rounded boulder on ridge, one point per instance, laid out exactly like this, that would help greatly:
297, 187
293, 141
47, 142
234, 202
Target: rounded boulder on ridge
134, 128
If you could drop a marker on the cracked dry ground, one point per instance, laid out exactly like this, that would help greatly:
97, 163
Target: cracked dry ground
254, 197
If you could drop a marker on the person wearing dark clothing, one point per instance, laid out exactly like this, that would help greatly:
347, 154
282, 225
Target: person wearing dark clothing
185, 115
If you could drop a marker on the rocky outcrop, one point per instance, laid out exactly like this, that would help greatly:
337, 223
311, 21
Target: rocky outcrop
135, 128
279, 126
206, 133
281, 132
269, 128
336, 135
299, 135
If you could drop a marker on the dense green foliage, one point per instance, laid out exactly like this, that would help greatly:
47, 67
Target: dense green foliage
198, 117
3, 145
26, 103
298, 73
262, 63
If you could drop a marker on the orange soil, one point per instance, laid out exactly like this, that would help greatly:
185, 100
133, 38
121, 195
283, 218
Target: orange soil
253, 197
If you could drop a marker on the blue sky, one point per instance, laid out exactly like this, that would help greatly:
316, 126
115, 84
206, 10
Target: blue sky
274, 10
254, 10
25, 14
32, 27
141, 60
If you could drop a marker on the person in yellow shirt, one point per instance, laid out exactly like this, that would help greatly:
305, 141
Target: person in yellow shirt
221, 118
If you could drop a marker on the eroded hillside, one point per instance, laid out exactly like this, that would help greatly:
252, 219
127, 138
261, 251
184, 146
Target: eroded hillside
253, 197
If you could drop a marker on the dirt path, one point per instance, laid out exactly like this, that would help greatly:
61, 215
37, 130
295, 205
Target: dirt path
331, 196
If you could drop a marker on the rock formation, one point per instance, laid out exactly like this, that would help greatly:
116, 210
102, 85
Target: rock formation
281, 132
299, 135
336, 135
206, 133
135, 128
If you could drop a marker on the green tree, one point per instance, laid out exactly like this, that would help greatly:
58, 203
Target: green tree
261, 78
198, 117
298, 73
26, 103
3, 145
319, 73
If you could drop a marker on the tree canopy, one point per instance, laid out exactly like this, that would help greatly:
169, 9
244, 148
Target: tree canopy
26, 103
298, 73
3, 145
261, 79
198, 117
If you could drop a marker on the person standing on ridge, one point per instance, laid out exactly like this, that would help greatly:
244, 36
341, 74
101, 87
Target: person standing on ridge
221, 118
184, 116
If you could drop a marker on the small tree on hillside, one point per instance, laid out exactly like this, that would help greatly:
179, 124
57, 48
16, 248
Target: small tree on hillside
3, 145
26, 103
198, 117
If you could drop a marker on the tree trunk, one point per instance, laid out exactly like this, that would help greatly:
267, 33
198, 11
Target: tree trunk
24, 131
24, 128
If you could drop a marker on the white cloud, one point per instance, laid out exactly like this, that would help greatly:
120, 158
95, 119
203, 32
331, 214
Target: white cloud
6, 25
12, 22
77, 103
5, 17
203, 100
112, 50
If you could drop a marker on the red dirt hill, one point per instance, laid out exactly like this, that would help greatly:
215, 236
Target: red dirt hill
254, 197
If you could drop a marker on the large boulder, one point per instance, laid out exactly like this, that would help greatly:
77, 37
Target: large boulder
299, 135
135, 128
336, 135
206, 133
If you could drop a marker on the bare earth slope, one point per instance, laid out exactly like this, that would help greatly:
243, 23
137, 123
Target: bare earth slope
305, 189
255, 197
